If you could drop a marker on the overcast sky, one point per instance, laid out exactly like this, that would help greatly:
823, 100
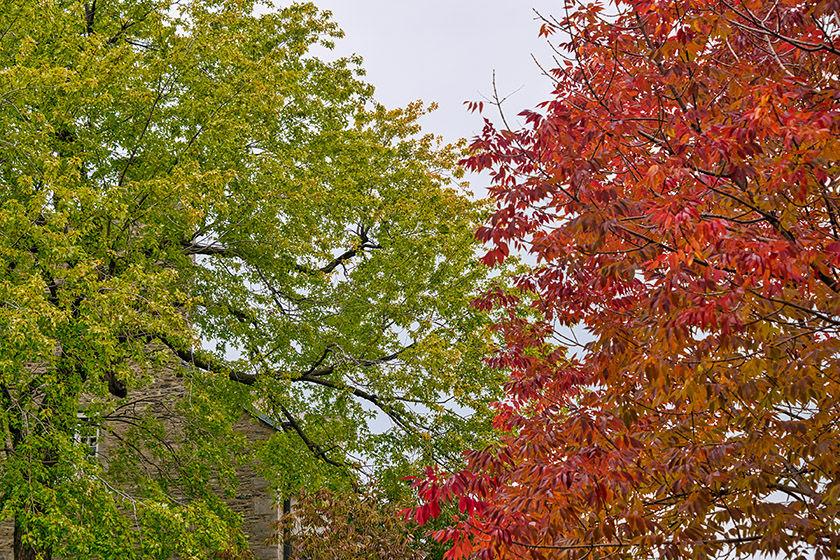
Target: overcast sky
446, 51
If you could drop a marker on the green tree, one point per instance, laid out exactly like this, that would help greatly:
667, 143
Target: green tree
187, 179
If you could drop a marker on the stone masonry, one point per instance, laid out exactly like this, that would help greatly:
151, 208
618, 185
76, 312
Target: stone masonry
253, 501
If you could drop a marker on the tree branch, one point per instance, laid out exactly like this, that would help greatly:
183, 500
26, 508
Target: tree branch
205, 361
388, 409
314, 447
193, 248
632, 545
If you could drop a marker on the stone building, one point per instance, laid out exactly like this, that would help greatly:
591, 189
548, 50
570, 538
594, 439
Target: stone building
254, 500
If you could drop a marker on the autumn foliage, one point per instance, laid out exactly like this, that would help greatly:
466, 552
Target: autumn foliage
679, 196
336, 525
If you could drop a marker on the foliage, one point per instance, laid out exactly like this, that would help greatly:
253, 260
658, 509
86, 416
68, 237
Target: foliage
679, 198
187, 179
334, 525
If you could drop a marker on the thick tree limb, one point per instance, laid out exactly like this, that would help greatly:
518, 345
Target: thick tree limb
315, 375
392, 413
314, 447
205, 361
366, 245
90, 16
194, 248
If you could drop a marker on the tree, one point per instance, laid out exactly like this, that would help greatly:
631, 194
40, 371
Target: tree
187, 179
363, 523
678, 195
329, 525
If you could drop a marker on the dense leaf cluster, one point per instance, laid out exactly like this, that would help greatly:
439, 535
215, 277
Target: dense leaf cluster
183, 182
679, 194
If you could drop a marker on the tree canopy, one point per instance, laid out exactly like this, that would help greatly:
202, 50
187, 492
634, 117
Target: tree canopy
194, 180
678, 194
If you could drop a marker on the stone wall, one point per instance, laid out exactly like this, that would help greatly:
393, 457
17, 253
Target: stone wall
254, 500
6, 541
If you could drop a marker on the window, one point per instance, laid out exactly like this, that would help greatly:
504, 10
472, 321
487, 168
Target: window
87, 436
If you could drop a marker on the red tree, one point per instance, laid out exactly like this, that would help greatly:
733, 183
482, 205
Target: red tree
679, 193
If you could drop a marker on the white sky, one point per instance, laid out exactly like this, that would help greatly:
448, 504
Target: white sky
446, 51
